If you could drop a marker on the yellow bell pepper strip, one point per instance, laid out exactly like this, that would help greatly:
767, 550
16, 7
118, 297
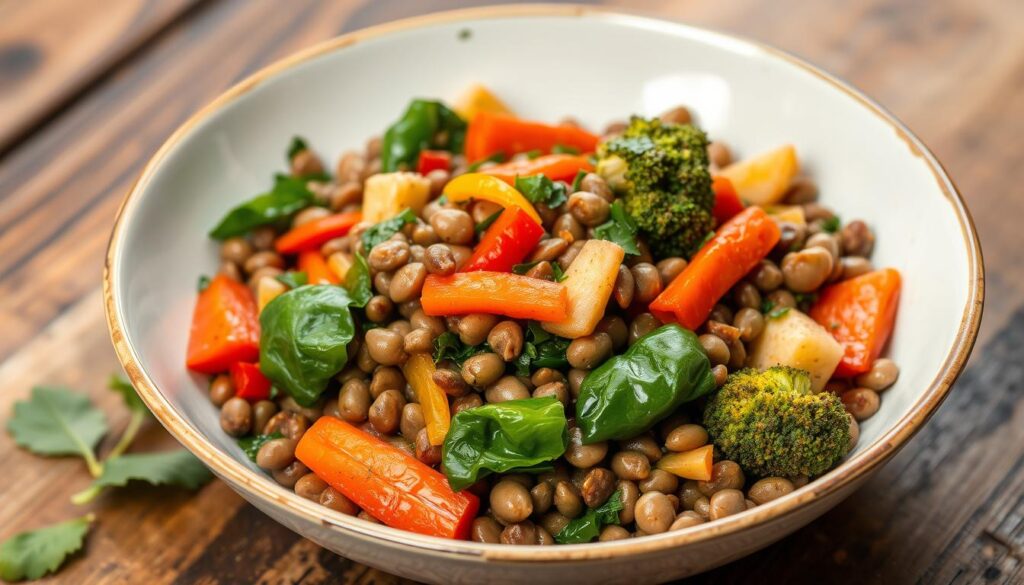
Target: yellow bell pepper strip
477, 98
694, 464
419, 372
488, 188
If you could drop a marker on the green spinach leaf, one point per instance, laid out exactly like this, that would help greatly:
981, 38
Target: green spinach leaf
540, 189
358, 282
497, 437
304, 339
288, 196
620, 229
297, 145
588, 527
293, 279
425, 125
541, 350
448, 346
251, 445
564, 149
380, 232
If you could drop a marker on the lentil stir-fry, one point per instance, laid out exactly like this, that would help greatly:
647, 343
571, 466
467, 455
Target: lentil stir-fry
488, 328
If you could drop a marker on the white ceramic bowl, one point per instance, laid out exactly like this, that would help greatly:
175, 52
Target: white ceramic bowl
547, 62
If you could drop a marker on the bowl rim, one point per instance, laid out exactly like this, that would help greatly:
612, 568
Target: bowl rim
259, 486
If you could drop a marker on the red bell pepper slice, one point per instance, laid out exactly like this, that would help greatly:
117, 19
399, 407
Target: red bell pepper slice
860, 314
496, 293
557, 167
727, 202
432, 160
388, 483
312, 235
316, 268
225, 327
506, 242
250, 383
491, 133
736, 248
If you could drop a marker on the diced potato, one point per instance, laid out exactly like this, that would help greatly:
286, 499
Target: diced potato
765, 178
478, 98
386, 195
339, 263
796, 340
790, 213
589, 282
268, 289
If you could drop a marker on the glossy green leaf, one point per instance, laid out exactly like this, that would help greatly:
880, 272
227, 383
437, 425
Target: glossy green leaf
541, 350
57, 421
448, 346
178, 468
304, 337
32, 554
358, 281
425, 125
631, 392
288, 195
497, 437
293, 279
588, 526
297, 145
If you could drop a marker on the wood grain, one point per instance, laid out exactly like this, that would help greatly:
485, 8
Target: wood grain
948, 509
50, 50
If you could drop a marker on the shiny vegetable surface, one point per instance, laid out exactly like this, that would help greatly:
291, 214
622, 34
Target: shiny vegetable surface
488, 188
629, 393
304, 341
426, 124
490, 133
860, 314
737, 246
497, 437
588, 526
288, 196
312, 235
317, 271
557, 167
496, 293
225, 327
727, 202
506, 242
386, 482
249, 381
419, 370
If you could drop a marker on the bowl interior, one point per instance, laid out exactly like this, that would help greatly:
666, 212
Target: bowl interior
747, 96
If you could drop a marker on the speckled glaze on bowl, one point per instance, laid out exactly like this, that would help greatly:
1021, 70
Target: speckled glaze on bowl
546, 62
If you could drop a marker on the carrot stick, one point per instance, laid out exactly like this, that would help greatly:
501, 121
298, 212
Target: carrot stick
225, 327
317, 271
312, 235
557, 167
386, 482
497, 293
860, 314
736, 248
491, 133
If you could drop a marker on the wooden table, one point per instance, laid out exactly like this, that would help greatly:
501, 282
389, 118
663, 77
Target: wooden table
90, 88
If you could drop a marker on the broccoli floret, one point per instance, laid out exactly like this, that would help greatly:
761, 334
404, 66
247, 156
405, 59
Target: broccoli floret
661, 170
772, 424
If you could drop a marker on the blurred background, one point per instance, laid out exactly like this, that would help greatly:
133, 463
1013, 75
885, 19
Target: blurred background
89, 89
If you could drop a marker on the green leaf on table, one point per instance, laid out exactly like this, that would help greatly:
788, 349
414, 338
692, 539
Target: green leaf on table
540, 189
251, 445
57, 421
358, 282
380, 232
293, 279
288, 195
588, 526
128, 393
32, 554
620, 229
178, 468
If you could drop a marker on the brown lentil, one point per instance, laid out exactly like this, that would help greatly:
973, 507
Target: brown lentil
862, 403
686, 437
654, 513
506, 339
222, 389
768, 489
725, 474
386, 412
882, 375
631, 465
236, 417
726, 503
587, 352
505, 389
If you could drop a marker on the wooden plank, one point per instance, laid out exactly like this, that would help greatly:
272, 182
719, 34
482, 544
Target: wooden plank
51, 49
947, 509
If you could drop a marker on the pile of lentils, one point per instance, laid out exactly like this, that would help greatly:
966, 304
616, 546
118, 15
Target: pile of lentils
372, 393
